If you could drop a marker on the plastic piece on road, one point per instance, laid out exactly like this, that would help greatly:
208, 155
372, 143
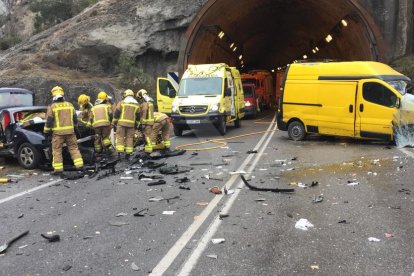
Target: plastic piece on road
343, 221
170, 213
6, 245
174, 169
20, 216
352, 183
134, 267
229, 192
274, 190
317, 199
238, 172
388, 235
156, 183
372, 239
314, 267
141, 213
121, 215
66, 267
118, 223
184, 187
202, 203
260, 199
156, 199
126, 177
182, 180
52, 238
218, 241
212, 256
303, 224
216, 190
251, 151
222, 216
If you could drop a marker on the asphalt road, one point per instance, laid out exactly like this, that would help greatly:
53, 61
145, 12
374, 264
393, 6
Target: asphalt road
259, 231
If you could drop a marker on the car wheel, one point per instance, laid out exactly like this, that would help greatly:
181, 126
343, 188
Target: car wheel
28, 156
178, 131
296, 131
222, 127
237, 123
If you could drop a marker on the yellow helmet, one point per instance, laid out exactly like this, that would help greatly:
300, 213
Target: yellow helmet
83, 99
127, 93
103, 96
57, 90
141, 93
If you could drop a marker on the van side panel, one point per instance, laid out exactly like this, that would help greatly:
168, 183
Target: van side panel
337, 114
301, 102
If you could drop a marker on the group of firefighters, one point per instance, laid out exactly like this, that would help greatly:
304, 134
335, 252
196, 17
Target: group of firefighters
135, 112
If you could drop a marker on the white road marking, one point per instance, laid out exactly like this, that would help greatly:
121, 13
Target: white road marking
179, 245
30, 191
212, 229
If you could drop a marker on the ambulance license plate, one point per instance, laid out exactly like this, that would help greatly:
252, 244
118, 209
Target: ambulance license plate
193, 122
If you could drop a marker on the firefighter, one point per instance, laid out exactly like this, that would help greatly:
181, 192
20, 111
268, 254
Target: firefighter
100, 120
147, 117
161, 123
126, 118
61, 121
85, 107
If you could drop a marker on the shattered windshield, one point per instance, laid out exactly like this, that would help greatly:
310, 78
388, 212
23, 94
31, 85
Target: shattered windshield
200, 86
399, 85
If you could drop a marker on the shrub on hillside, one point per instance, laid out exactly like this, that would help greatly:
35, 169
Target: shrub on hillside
131, 76
8, 41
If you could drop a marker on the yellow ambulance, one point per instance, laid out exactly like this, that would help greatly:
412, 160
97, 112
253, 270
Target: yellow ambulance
352, 99
207, 94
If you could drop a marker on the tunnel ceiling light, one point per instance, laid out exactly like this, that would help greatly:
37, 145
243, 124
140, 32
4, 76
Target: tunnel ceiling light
242, 62
273, 70
242, 66
305, 57
240, 57
328, 38
344, 23
314, 51
221, 34
235, 48
231, 45
317, 49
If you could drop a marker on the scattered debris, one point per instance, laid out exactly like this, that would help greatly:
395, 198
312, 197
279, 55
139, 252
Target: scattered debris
289, 215
118, 223
274, 190
184, 187
20, 216
260, 199
228, 192
303, 224
134, 267
174, 169
314, 267
66, 267
168, 213
121, 215
151, 176
317, 199
222, 216
182, 180
201, 164
343, 221
251, 151
52, 238
141, 213
372, 239
212, 257
352, 183
7, 180
215, 190
23, 246
388, 235
202, 203
6, 245
126, 177
156, 183
218, 241
156, 199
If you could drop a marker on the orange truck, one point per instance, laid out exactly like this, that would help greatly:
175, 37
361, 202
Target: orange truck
263, 81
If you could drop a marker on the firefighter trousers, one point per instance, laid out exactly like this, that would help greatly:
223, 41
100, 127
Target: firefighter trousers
164, 127
147, 134
57, 145
125, 139
102, 138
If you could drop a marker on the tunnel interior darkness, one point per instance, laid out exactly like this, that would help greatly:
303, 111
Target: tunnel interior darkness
268, 34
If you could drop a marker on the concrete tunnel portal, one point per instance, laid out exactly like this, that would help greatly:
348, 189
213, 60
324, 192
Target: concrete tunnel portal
269, 34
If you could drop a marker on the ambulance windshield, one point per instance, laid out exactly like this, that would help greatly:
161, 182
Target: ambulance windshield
200, 86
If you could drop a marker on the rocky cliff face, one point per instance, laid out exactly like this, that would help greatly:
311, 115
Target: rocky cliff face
81, 53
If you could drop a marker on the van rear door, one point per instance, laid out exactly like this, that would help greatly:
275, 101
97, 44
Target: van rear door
336, 116
375, 109
166, 94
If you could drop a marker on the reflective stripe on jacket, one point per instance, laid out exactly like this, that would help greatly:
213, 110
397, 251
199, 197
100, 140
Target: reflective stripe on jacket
126, 114
60, 118
147, 113
101, 115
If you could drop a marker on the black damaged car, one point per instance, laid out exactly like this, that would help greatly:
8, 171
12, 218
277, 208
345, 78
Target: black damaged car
21, 137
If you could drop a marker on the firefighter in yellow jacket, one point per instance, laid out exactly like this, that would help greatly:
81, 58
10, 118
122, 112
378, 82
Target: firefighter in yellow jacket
126, 119
161, 123
85, 107
61, 121
100, 120
147, 117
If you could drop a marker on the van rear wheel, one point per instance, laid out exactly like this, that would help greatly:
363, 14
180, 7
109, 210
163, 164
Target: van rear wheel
296, 131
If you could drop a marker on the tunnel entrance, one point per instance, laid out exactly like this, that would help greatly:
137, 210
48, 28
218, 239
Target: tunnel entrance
269, 34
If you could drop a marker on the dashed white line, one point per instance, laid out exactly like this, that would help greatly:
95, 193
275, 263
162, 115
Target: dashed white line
179, 245
30, 191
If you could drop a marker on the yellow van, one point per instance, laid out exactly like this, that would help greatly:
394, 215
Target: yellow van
207, 94
353, 99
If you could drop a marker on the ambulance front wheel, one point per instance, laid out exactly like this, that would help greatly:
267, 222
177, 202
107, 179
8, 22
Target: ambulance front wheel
296, 131
178, 131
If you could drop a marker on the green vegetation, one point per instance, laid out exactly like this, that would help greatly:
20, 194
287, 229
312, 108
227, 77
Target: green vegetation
8, 41
52, 12
405, 65
131, 76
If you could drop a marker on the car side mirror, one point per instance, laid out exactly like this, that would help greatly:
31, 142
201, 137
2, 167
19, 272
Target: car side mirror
227, 92
398, 103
